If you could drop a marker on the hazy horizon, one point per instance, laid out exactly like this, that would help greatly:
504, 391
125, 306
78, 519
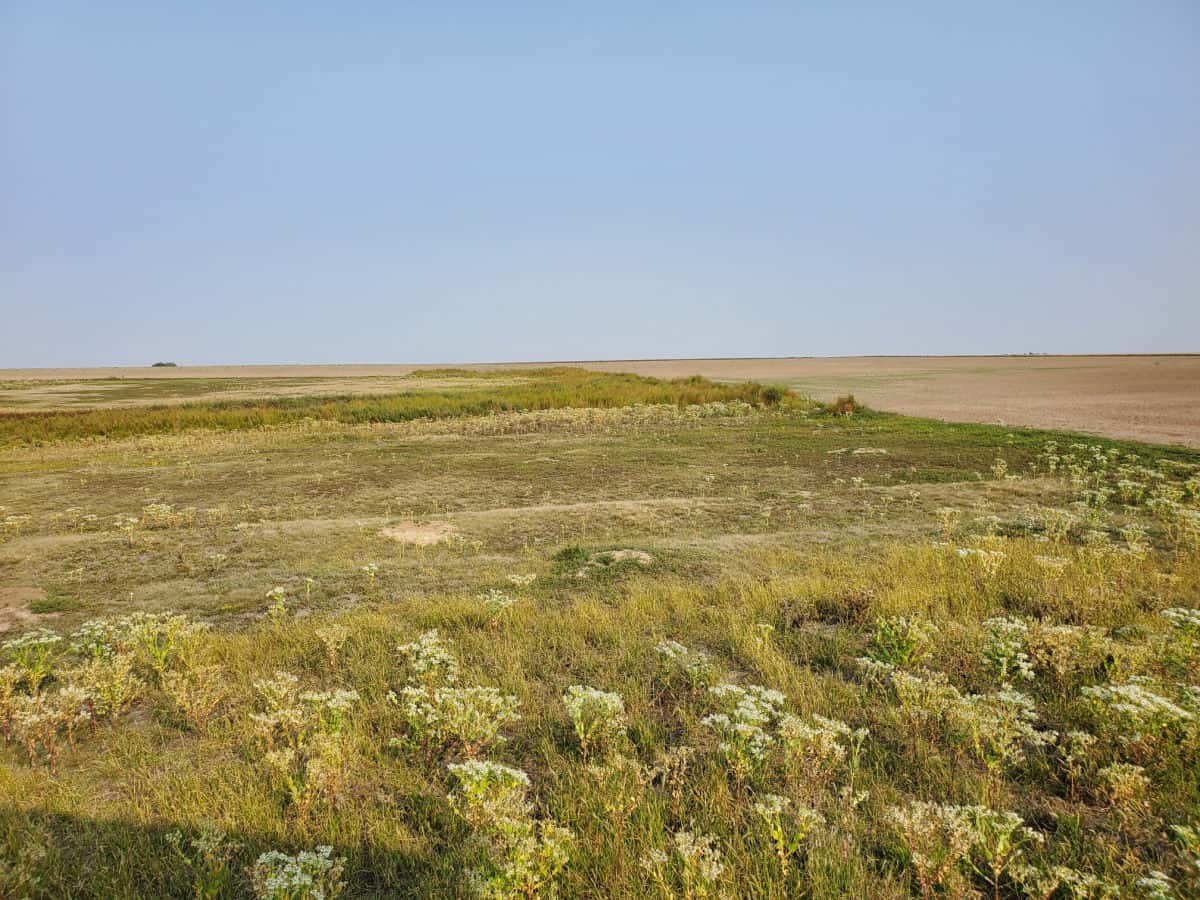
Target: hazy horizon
302, 184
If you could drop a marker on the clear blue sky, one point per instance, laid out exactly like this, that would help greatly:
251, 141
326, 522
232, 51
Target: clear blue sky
371, 182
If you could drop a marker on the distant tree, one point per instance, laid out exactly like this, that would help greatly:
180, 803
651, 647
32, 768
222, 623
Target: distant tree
159, 365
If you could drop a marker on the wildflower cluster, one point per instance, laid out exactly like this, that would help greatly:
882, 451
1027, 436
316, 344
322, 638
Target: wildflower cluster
495, 602
694, 665
302, 738
440, 716
743, 727
521, 855
1004, 650
597, 716
818, 750
997, 728
1111, 476
308, 875
1135, 714
52, 687
690, 867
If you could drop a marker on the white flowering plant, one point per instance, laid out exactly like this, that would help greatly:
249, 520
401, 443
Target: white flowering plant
691, 866
598, 717
307, 875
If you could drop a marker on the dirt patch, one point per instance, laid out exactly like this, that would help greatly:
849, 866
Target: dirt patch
423, 535
608, 557
14, 607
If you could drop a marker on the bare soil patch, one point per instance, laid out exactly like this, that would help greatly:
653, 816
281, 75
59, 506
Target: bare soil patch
14, 607
420, 535
608, 557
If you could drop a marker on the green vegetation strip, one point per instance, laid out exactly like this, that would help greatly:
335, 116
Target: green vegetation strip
554, 389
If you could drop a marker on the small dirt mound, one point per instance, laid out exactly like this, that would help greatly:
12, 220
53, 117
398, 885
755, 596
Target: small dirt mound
423, 535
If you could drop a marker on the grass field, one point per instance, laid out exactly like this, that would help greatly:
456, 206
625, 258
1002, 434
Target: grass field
538, 633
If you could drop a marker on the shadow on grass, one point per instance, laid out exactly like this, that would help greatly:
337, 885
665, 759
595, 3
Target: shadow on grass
96, 858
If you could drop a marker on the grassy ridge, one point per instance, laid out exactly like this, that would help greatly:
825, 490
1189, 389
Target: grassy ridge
554, 389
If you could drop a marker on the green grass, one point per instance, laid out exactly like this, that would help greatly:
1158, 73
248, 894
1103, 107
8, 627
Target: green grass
774, 549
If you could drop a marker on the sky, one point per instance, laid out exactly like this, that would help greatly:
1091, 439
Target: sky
294, 182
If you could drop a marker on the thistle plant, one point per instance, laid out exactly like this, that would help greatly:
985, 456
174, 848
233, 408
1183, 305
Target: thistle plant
306, 876
1185, 623
371, 570
302, 738
488, 792
691, 867
534, 853
158, 515
1043, 884
11, 679
998, 728
1125, 786
1074, 755
1067, 652
38, 720
128, 525
21, 863
900, 640
949, 519
100, 638
670, 770
694, 665
1188, 839
209, 857
277, 611
619, 788
75, 709
597, 716
1156, 886
788, 828
989, 560
1135, 540
925, 700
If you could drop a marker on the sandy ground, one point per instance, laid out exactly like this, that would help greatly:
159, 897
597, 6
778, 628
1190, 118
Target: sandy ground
1150, 398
